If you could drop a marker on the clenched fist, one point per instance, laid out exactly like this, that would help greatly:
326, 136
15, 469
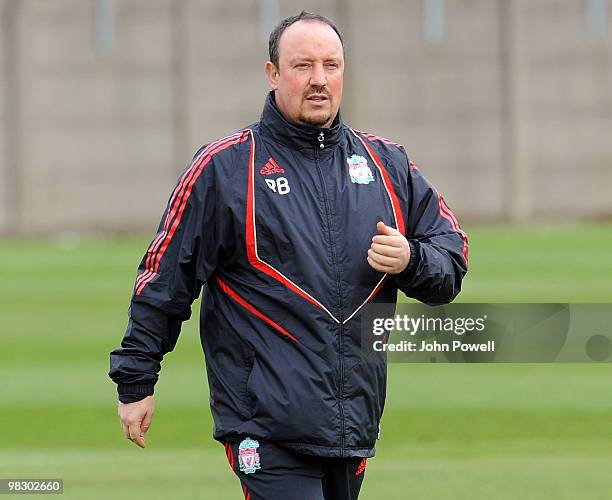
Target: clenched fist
136, 419
390, 251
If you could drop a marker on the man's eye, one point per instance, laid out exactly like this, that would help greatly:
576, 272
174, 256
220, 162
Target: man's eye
301, 66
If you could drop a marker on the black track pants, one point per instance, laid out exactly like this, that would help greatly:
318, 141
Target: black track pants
269, 472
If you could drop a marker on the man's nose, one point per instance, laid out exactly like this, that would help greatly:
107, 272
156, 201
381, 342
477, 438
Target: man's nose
318, 77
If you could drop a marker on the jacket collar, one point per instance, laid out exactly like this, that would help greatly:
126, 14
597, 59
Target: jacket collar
299, 137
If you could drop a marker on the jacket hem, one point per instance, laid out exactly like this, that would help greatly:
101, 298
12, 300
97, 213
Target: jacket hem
328, 451
306, 448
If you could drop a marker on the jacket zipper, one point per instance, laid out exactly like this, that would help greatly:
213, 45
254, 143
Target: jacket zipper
321, 139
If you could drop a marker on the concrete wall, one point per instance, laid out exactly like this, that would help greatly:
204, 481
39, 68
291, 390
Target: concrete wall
569, 101
509, 114
97, 125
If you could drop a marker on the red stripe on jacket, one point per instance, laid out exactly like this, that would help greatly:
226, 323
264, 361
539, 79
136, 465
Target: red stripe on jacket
251, 243
253, 310
448, 214
389, 185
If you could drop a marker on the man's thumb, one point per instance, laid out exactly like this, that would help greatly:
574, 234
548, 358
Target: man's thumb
384, 229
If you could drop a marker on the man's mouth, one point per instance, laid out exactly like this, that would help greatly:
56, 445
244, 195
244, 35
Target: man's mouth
317, 98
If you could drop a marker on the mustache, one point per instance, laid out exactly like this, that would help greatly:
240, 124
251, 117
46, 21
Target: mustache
317, 90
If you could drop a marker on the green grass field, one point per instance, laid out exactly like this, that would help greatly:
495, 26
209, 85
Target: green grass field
449, 431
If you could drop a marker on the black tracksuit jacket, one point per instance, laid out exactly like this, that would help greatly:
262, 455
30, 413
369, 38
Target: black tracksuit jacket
275, 223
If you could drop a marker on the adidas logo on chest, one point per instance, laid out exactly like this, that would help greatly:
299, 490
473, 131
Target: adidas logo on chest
278, 185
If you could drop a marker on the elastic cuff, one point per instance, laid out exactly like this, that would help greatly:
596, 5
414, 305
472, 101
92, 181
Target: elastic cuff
414, 255
133, 393
130, 398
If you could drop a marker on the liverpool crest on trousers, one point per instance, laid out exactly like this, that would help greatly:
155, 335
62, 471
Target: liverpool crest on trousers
248, 458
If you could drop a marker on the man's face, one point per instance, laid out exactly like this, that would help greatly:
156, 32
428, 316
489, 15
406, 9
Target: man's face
308, 82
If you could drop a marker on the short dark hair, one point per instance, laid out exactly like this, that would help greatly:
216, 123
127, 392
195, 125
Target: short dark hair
285, 23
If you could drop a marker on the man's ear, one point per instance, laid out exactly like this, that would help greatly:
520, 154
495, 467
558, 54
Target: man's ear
272, 74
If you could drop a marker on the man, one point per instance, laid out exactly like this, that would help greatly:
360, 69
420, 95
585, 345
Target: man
292, 225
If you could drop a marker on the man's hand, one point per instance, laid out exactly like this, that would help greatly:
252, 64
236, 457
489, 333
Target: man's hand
136, 419
389, 252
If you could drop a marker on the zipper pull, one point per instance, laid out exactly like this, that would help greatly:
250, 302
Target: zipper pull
321, 140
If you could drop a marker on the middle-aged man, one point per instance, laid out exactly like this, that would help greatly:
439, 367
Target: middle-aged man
292, 225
